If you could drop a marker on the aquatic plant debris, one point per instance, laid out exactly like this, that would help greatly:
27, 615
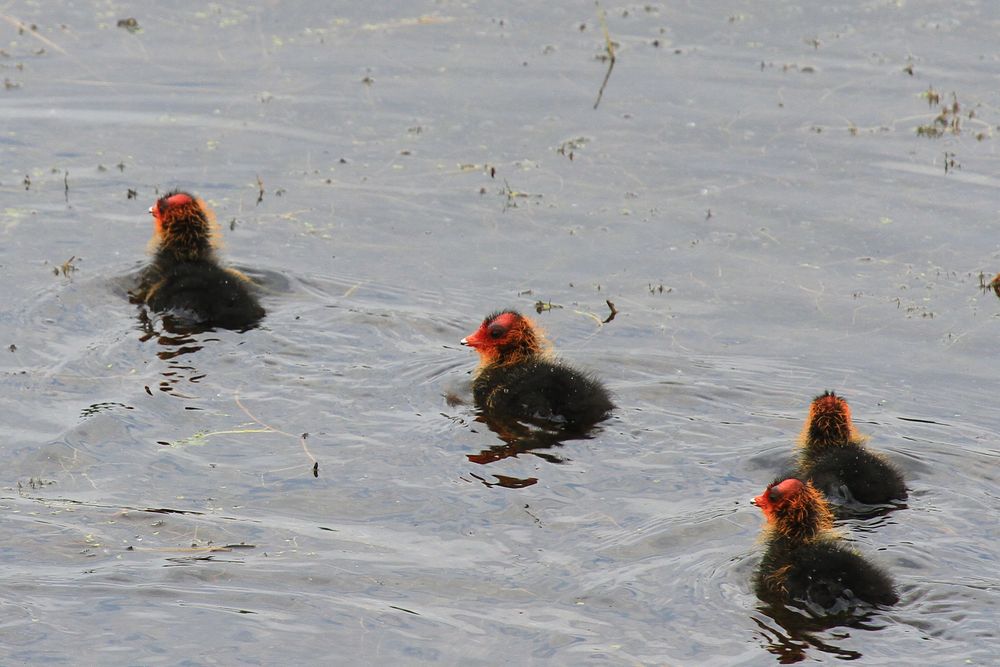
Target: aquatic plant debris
543, 306
513, 195
129, 24
66, 268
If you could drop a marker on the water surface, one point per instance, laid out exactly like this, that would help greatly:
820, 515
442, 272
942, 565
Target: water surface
751, 193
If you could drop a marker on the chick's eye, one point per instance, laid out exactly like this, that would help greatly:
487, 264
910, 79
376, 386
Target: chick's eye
773, 495
496, 331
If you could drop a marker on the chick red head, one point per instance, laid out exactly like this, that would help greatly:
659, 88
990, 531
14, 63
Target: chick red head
795, 509
185, 226
776, 495
829, 421
504, 337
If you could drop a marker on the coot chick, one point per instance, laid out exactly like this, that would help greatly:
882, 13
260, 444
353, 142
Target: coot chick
185, 278
806, 561
834, 457
517, 378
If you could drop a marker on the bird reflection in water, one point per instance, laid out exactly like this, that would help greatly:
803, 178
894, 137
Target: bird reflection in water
178, 338
506, 481
791, 634
524, 436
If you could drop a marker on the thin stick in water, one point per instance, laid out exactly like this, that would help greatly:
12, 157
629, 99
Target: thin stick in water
610, 48
302, 438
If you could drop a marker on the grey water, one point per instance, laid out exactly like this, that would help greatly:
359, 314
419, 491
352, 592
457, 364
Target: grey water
779, 198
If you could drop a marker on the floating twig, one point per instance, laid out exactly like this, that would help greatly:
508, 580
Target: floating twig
610, 48
614, 311
301, 438
527, 511
949, 162
211, 548
200, 437
305, 448
597, 320
260, 190
33, 32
